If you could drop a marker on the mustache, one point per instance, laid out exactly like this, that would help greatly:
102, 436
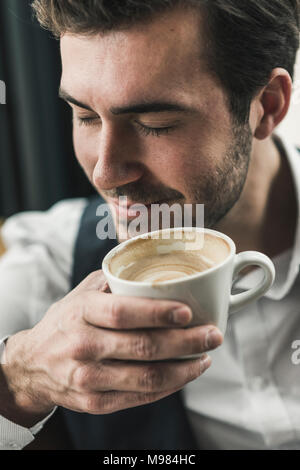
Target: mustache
143, 193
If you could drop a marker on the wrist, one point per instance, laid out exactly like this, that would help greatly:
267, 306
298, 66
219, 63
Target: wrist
18, 400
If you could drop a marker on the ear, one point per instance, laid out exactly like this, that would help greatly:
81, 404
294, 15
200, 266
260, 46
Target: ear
274, 102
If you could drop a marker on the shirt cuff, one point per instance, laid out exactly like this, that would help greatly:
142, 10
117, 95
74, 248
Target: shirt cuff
14, 436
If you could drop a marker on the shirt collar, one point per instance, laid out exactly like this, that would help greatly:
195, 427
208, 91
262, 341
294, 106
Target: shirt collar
287, 263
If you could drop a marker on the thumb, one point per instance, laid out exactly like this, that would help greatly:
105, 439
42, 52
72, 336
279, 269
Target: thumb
94, 281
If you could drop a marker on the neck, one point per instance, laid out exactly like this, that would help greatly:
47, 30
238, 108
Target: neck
264, 218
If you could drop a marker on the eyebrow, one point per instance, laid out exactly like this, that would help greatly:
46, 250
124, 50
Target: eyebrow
66, 97
136, 108
151, 107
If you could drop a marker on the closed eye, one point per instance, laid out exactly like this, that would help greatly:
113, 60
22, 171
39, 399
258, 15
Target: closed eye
144, 130
87, 121
155, 131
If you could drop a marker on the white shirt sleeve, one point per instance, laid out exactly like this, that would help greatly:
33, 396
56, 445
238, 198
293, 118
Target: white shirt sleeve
35, 272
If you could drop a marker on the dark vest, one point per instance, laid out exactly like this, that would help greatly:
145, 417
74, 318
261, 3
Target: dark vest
162, 425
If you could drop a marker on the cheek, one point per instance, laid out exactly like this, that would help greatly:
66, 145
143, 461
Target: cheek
199, 160
195, 156
175, 163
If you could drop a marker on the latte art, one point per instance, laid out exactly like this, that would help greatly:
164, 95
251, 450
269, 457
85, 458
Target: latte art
156, 261
166, 267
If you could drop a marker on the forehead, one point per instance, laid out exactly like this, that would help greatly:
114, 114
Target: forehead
166, 53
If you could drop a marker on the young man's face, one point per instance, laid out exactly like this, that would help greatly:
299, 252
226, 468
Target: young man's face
151, 123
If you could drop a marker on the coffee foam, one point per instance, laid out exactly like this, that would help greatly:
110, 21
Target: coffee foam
160, 260
166, 267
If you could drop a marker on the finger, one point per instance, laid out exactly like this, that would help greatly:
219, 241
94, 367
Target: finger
109, 402
148, 377
159, 344
148, 345
95, 281
120, 312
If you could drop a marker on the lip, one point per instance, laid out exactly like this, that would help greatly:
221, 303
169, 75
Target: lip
131, 203
124, 210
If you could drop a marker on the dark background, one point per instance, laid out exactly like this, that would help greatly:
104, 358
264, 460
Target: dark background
37, 162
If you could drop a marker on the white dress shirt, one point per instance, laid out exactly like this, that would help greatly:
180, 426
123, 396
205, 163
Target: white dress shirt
248, 399
35, 272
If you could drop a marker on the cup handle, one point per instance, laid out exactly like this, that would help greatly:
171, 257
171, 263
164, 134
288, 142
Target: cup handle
242, 260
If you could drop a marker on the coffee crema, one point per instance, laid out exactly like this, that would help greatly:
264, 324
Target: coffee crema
166, 267
157, 260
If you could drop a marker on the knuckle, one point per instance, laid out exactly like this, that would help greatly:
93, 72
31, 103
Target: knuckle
80, 346
158, 315
196, 342
72, 311
144, 347
116, 317
92, 404
101, 403
149, 397
109, 402
83, 346
82, 377
152, 379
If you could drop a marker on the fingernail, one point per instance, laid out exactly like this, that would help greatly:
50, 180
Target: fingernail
181, 315
214, 338
205, 363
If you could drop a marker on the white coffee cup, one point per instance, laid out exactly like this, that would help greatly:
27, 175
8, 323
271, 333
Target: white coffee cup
208, 292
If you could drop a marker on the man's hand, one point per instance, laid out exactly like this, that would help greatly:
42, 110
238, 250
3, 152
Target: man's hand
96, 352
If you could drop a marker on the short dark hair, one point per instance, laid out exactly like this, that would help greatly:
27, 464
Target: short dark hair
248, 38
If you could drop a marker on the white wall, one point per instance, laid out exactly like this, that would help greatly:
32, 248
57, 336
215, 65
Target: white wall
290, 126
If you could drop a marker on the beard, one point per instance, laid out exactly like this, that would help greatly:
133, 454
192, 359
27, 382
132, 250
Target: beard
218, 190
223, 189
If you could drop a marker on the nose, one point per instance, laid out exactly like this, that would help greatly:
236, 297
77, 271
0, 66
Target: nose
117, 163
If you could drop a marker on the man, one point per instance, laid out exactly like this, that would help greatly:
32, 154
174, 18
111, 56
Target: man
173, 101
